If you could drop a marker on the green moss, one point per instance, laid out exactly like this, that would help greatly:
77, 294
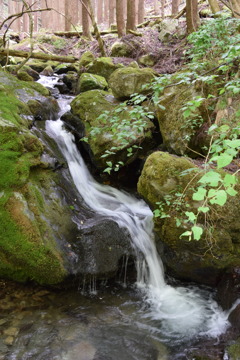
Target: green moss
21, 259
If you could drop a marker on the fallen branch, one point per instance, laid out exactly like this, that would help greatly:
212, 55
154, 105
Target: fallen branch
180, 13
40, 56
69, 34
134, 33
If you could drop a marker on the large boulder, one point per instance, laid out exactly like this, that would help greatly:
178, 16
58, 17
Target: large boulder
88, 106
36, 195
127, 81
103, 66
90, 81
204, 260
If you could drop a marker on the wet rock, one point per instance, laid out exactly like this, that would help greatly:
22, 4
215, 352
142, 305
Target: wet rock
82, 351
46, 110
99, 252
47, 71
70, 80
234, 318
228, 288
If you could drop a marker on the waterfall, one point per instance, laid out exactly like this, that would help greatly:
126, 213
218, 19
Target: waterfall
184, 311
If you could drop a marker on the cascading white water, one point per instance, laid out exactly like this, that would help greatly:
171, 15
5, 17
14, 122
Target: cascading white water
179, 311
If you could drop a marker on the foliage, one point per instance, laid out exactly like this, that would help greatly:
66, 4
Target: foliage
215, 46
125, 125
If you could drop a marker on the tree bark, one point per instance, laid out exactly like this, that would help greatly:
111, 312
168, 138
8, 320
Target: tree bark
112, 6
131, 18
71, 14
85, 20
106, 10
120, 18
40, 56
156, 7
175, 6
100, 12
95, 27
192, 15
140, 11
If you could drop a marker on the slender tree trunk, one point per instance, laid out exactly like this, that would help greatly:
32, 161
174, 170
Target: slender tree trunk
192, 15
156, 7
140, 11
71, 13
112, 6
175, 6
163, 8
100, 11
106, 10
120, 18
85, 19
131, 18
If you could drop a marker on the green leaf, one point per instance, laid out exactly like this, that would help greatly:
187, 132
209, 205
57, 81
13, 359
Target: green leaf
220, 197
187, 233
229, 180
233, 143
231, 191
224, 160
200, 194
203, 209
197, 232
190, 215
211, 178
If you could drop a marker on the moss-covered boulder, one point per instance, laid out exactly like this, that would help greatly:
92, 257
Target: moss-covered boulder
90, 81
103, 66
121, 49
203, 260
88, 106
86, 58
70, 79
24, 76
127, 81
44, 110
47, 234
147, 60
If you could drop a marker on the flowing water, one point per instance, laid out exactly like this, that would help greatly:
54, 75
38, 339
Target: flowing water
147, 322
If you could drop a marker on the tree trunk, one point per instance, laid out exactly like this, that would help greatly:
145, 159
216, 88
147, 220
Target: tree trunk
235, 7
214, 6
112, 6
71, 13
156, 7
100, 11
140, 11
120, 18
131, 18
192, 15
86, 20
40, 56
95, 27
175, 6
106, 10
163, 8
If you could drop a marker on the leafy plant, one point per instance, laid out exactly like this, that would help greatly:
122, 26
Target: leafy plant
125, 125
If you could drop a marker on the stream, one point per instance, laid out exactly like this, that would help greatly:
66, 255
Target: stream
148, 320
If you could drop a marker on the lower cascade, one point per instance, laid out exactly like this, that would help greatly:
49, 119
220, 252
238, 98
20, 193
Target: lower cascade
175, 311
